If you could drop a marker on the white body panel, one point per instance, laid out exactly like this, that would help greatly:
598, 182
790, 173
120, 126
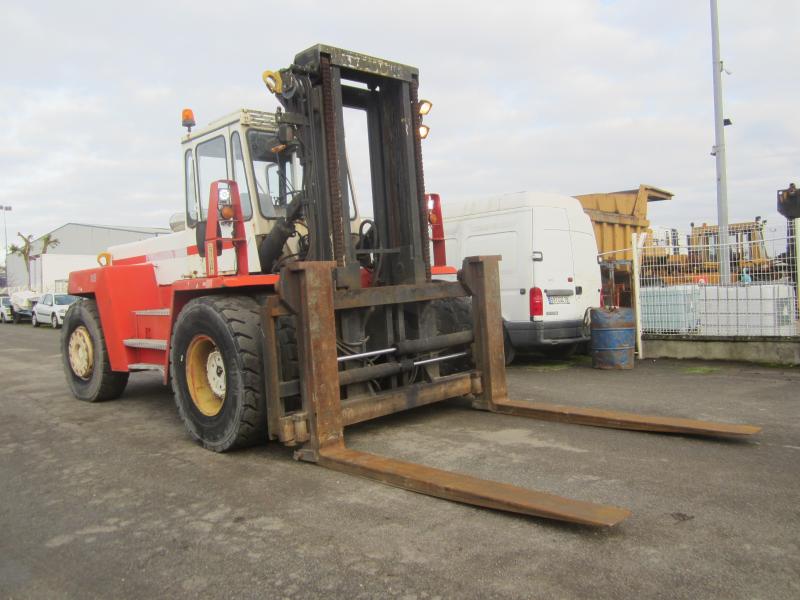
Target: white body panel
173, 259
516, 226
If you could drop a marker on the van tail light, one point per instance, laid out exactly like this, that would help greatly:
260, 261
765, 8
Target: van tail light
537, 302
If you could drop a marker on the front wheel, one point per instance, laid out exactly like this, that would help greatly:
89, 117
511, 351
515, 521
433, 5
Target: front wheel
34, 320
85, 356
54, 321
216, 372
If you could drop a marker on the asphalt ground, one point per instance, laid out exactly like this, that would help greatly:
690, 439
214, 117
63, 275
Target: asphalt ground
113, 500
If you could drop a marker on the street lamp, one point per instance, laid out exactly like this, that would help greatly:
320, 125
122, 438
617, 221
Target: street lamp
5, 209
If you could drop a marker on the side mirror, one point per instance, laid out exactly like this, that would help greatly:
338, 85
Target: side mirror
177, 222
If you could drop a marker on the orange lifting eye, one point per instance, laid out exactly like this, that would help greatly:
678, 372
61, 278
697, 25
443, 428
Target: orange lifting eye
226, 212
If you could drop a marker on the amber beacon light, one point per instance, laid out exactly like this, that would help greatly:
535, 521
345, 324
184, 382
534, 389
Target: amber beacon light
187, 119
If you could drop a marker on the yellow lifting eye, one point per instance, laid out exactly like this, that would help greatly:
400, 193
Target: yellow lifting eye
273, 81
104, 259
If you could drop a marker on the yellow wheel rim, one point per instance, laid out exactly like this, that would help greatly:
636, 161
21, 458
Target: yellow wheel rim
205, 375
81, 353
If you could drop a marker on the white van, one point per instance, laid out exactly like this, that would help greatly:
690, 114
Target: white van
549, 275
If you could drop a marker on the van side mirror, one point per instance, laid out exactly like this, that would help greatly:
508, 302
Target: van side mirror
537, 256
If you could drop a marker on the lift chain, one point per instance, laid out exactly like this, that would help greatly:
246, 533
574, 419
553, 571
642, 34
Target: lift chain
332, 157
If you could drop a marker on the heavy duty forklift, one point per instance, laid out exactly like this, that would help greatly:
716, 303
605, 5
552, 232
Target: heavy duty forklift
278, 313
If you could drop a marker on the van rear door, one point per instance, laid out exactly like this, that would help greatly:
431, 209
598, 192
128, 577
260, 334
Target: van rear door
508, 235
587, 271
554, 274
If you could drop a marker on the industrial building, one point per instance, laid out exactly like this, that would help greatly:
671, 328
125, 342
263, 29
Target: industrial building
77, 248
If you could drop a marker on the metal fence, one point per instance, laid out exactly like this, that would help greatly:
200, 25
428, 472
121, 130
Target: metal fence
680, 290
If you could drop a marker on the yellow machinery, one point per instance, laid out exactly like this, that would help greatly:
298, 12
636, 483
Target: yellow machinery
615, 217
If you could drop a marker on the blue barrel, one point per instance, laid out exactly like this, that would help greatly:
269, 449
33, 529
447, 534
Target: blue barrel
613, 338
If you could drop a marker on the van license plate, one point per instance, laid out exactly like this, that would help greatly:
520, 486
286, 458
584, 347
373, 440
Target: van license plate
558, 299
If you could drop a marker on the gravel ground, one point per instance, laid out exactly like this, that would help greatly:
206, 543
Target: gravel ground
113, 500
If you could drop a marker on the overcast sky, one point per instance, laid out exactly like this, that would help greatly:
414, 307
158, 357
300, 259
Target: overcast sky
574, 96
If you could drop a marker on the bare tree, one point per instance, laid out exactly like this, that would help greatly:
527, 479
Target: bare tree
48, 241
25, 250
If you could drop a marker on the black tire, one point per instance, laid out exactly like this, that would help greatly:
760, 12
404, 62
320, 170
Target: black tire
454, 315
102, 383
286, 332
232, 326
54, 321
15, 318
34, 320
509, 350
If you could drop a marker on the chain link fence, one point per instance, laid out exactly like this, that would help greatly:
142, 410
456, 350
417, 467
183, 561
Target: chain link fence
681, 287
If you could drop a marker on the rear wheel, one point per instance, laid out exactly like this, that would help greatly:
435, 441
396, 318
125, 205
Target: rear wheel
454, 315
85, 356
216, 372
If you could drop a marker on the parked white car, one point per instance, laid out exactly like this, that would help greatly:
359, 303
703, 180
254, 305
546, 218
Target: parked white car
51, 309
6, 314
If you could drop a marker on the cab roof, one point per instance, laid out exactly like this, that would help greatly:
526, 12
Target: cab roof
248, 117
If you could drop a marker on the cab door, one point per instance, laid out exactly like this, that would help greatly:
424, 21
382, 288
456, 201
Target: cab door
42, 308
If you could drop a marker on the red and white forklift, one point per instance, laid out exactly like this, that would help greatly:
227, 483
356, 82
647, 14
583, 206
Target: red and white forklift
277, 312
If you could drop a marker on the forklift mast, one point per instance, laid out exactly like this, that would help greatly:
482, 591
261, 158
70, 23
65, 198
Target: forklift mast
314, 92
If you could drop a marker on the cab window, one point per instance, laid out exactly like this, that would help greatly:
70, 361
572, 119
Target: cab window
240, 175
191, 190
272, 172
212, 165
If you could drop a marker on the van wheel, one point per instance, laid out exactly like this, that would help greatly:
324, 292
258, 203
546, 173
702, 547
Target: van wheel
85, 356
215, 364
509, 350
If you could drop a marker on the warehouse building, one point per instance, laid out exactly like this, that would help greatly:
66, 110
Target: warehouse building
77, 248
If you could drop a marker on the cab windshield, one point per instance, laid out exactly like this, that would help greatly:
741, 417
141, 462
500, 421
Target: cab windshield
272, 171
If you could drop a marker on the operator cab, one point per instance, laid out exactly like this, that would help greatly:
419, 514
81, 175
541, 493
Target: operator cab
244, 146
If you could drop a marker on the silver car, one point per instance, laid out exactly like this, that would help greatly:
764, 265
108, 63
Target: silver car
51, 309
6, 314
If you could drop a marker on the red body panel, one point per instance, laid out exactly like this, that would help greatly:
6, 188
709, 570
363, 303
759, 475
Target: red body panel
437, 229
118, 291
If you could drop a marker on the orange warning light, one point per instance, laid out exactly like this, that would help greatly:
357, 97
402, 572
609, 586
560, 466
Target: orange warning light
187, 117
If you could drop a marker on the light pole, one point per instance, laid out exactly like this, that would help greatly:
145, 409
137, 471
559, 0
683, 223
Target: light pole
5, 209
719, 153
